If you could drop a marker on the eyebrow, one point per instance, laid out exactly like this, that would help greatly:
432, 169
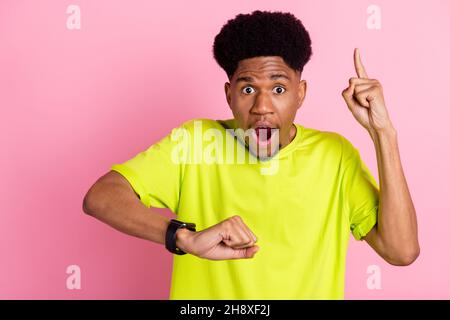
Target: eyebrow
272, 77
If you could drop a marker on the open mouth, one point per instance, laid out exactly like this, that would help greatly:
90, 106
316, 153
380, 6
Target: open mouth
263, 135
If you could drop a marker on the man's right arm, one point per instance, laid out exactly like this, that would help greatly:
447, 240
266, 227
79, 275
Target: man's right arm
111, 199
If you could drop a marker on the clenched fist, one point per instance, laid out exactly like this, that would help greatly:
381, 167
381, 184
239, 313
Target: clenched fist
229, 239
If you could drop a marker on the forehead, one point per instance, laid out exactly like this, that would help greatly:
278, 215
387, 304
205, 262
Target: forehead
264, 67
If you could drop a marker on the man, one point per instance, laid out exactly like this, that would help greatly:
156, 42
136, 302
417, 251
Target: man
275, 234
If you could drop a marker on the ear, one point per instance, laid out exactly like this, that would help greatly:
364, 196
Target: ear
302, 86
228, 93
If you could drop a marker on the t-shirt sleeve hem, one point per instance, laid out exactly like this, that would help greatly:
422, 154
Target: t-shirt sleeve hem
363, 228
135, 182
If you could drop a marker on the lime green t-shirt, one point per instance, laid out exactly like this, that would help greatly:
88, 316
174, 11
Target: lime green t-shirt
302, 205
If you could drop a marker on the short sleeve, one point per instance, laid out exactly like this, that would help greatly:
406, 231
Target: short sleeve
360, 192
155, 175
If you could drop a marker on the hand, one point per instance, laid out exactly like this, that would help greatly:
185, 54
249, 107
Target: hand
364, 98
229, 239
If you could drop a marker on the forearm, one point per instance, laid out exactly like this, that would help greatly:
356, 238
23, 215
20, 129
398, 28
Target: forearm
397, 224
118, 206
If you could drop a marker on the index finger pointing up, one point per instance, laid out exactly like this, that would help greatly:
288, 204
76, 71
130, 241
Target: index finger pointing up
360, 71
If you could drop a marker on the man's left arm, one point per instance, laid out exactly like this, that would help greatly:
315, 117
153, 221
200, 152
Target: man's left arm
395, 236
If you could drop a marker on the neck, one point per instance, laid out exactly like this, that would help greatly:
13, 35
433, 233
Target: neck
292, 134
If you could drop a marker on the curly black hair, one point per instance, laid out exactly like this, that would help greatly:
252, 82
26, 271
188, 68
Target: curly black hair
262, 33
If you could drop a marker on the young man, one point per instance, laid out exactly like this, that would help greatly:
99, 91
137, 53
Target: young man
275, 225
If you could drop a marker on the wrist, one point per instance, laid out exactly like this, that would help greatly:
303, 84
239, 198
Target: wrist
388, 131
182, 237
172, 235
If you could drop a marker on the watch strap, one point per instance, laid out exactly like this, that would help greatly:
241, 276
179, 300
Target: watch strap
172, 229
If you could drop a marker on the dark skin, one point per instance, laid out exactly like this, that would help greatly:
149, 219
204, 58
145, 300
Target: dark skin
111, 199
266, 89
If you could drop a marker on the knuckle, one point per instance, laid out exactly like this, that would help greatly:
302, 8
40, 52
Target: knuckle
230, 221
227, 224
237, 218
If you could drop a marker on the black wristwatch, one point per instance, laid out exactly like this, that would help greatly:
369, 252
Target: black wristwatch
174, 225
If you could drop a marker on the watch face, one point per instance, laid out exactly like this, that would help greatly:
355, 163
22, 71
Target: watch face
182, 224
178, 222
191, 226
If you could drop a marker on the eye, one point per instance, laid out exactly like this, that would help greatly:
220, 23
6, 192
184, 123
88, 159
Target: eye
279, 90
248, 90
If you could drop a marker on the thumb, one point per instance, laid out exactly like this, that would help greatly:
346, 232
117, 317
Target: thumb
245, 253
347, 94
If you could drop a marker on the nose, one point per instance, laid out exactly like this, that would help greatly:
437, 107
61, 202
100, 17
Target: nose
262, 104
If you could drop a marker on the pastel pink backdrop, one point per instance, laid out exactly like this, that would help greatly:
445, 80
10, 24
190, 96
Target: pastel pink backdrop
75, 101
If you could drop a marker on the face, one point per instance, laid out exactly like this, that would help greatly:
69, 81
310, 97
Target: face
264, 94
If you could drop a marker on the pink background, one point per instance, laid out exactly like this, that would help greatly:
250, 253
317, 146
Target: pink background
75, 101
